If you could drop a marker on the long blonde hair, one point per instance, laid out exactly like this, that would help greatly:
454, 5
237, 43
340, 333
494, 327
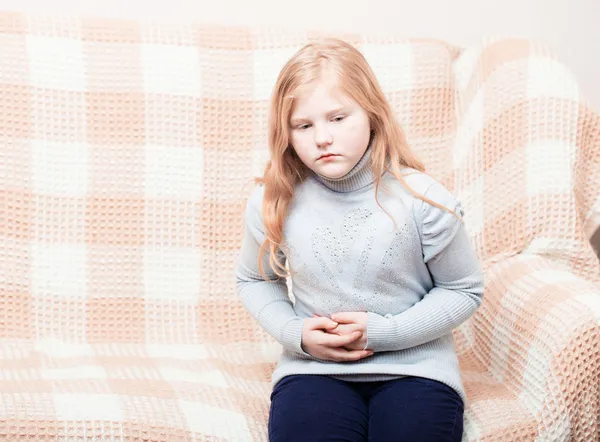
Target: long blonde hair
284, 169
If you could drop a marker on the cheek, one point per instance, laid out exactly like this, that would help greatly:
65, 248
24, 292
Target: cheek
356, 131
297, 141
356, 126
300, 145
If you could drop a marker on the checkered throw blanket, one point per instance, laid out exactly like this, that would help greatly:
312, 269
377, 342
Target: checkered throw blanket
127, 150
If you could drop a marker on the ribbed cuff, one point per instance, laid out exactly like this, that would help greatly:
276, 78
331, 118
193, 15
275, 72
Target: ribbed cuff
291, 335
380, 333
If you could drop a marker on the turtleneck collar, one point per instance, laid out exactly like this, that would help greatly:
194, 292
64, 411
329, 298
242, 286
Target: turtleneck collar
358, 177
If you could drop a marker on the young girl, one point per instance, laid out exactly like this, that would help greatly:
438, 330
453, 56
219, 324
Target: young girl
380, 277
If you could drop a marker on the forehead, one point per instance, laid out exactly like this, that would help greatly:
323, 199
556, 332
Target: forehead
320, 95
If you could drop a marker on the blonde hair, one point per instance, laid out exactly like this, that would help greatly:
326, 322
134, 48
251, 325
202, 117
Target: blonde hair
284, 169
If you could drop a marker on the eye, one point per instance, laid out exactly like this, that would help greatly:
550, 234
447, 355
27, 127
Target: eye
303, 126
338, 118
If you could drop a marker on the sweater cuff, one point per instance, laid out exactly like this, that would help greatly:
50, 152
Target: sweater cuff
291, 335
380, 333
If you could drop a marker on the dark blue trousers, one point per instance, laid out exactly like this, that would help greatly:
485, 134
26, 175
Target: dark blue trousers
313, 408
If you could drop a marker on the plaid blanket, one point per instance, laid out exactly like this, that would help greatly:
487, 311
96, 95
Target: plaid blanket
127, 150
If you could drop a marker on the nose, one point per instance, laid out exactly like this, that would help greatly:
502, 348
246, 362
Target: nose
323, 137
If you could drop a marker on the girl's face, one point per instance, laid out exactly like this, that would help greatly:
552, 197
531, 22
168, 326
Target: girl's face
329, 131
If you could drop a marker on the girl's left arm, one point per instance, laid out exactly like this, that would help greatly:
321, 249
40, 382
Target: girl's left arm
457, 281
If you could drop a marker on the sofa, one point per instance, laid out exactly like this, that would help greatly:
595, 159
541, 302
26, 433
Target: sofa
127, 153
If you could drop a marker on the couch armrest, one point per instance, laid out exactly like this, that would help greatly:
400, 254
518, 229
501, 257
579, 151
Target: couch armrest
589, 175
538, 333
527, 155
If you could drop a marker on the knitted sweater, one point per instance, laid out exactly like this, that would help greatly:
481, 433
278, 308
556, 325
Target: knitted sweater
417, 281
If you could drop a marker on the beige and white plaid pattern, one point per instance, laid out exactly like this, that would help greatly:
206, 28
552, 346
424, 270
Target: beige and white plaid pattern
126, 154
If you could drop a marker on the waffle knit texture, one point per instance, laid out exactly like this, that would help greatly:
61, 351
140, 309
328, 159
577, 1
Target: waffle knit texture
126, 152
418, 279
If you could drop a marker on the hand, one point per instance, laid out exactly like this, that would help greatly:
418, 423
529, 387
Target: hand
318, 342
348, 323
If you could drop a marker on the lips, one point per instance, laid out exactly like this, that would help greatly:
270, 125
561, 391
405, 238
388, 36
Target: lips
329, 155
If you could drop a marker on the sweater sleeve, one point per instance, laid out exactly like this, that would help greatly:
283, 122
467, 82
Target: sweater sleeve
267, 301
457, 280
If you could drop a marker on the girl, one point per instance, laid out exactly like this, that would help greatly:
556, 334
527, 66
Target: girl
380, 278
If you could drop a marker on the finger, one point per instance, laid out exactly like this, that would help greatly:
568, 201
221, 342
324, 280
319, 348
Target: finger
330, 326
347, 356
333, 340
321, 322
356, 346
350, 328
344, 317
344, 329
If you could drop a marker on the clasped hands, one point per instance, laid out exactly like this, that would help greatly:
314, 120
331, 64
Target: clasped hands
342, 338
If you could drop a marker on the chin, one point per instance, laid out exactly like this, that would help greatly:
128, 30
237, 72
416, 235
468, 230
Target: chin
333, 175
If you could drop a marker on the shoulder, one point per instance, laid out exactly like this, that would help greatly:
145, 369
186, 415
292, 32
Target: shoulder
253, 210
430, 188
420, 182
256, 197
254, 204
437, 223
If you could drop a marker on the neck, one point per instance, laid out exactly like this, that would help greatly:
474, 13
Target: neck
361, 175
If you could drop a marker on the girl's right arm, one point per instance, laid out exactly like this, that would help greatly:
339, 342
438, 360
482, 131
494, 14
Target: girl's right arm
267, 301
269, 304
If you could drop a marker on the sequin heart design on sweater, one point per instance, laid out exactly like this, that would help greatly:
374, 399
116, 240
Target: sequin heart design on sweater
332, 250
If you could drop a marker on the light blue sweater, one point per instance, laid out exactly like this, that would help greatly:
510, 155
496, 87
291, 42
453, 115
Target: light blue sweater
417, 283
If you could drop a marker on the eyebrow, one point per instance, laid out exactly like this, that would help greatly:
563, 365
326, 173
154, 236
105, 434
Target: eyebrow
297, 120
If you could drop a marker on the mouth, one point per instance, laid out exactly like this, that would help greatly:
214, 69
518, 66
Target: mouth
329, 155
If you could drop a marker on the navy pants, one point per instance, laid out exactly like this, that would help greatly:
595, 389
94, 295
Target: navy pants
323, 409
